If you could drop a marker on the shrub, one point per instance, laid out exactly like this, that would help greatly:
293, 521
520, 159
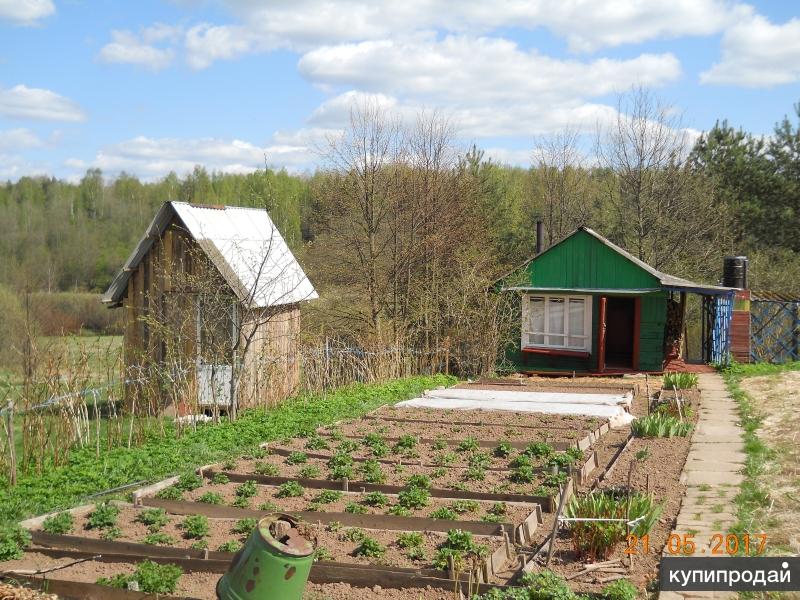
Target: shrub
111, 533
398, 510
598, 539
247, 490
354, 534
445, 458
438, 472
523, 474
322, 553
310, 472
341, 466
264, 468
376, 499
103, 516
210, 498
154, 518
316, 442
439, 444
562, 460
152, 578
371, 472
341, 472
370, 548
220, 479
296, 458
479, 460
660, 425
195, 527
268, 506
414, 497
410, 539
355, 508
189, 481
346, 446
241, 502
475, 474
59, 524
405, 442
470, 444
457, 545
328, 496
245, 526
546, 585
290, 489
159, 539
621, 589
199, 545
444, 513
170, 493
490, 518
13, 541
230, 546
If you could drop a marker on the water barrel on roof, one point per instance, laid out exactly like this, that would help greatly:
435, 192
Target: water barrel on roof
734, 272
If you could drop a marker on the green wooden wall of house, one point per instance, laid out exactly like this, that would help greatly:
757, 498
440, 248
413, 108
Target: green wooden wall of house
582, 264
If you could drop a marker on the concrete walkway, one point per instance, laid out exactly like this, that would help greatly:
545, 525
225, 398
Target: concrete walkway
713, 473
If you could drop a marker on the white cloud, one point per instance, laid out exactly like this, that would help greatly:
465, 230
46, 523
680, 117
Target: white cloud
23, 102
757, 53
26, 12
207, 43
478, 70
128, 47
155, 157
17, 139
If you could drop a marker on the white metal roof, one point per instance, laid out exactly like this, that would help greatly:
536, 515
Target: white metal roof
243, 243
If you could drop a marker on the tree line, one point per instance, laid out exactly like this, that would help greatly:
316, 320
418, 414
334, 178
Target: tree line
402, 230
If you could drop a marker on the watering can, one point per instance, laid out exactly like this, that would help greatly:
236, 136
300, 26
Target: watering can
273, 564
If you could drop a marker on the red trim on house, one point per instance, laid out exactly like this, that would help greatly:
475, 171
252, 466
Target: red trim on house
601, 335
637, 329
556, 352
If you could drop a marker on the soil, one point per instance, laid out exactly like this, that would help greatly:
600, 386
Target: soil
488, 418
494, 481
516, 512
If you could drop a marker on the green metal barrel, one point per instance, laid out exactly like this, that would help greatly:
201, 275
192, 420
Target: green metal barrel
273, 564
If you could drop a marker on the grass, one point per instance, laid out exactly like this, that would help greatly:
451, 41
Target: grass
85, 473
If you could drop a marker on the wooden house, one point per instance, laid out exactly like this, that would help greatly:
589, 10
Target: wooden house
588, 306
211, 296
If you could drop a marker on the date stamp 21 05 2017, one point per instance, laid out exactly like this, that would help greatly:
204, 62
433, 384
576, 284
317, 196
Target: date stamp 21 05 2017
722, 544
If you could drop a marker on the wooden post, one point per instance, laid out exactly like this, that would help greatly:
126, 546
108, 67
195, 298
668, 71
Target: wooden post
637, 329
601, 336
561, 502
447, 355
12, 450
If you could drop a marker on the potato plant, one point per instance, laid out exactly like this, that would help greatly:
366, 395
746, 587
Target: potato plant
59, 524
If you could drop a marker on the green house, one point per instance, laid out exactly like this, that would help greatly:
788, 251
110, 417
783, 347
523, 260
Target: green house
588, 306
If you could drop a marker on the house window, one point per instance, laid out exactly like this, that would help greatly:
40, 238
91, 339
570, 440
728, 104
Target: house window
563, 322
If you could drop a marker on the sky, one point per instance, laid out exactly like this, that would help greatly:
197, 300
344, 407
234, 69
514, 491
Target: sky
151, 86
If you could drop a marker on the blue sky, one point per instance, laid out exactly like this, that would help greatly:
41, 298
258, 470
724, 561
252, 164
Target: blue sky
152, 86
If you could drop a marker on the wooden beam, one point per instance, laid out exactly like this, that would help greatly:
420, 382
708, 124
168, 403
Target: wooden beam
637, 330
556, 352
601, 335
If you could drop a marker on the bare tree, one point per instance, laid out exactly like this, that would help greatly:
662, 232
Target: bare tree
663, 212
563, 181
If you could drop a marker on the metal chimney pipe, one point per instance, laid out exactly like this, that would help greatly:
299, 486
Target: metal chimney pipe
539, 236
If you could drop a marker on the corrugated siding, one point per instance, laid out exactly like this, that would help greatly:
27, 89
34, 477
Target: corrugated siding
582, 261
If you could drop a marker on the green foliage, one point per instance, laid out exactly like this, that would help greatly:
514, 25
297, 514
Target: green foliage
328, 496
263, 468
290, 489
195, 526
248, 489
399, 510
621, 589
469, 444
660, 425
523, 474
679, 381
457, 545
370, 548
111, 533
221, 478
445, 458
322, 553
154, 518
13, 541
310, 472
479, 460
353, 534
189, 481
245, 526
376, 499
229, 464
598, 539
59, 524
269, 507
210, 498
439, 444
498, 508
371, 472
347, 446
341, 472
317, 442
546, 585
159, 457
464, 506
241, 502
410, 539
230, 546
159, 538
152, 578
475, 474
405, 443
414, 497
355, 508
539, 450
104, 515
503, 450
341, 466
420, 481
296, 458
444, 513
170, 493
